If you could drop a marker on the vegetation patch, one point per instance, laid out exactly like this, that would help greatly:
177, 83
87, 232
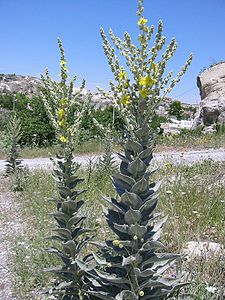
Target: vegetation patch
193, 197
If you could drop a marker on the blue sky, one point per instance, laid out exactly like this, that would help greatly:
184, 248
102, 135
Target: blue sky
29, 31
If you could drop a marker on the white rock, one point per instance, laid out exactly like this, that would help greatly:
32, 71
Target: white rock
19, 84
211, 83
206, 250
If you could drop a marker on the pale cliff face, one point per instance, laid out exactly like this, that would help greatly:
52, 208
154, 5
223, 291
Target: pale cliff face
211, 84
29, 85
10, 83
212, 80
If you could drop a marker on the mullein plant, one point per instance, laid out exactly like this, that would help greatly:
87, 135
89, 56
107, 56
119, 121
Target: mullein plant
107, 162
13, 163
14, 166
66, 110
135, 265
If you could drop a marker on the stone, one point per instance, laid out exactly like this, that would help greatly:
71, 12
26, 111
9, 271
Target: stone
11, 83
169, 129
211, 84
205, 250
209, 129
175, 126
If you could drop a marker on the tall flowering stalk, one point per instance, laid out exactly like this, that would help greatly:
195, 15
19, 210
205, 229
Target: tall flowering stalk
13, 163
137, 92
14, 166
106, 163
133, 265
66, 110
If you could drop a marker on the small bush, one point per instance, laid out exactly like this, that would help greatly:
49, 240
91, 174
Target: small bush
104, 116
175, 109
36, 129
220, 128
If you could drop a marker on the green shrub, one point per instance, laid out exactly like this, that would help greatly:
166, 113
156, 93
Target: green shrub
36, 129
104, 116
220, 128
156, 121
175, 109
4, 117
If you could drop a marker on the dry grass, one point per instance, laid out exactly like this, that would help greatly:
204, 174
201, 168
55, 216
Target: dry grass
193, 197
185, 142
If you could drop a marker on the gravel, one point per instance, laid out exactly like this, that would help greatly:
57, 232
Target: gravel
188, 158
11, 225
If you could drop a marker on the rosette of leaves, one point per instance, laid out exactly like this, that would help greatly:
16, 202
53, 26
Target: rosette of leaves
13, 163
107, 161
69, 236
134, 264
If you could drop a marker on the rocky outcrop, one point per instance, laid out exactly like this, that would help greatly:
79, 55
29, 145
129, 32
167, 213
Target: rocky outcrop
29, 85
211, 84
188, 109
203, 250
10, 83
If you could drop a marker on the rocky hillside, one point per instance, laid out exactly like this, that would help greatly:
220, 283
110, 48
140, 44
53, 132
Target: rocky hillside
11, 83
211, 84
188, 109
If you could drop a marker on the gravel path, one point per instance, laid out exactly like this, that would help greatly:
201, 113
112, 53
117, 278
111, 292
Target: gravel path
10, 226
189, 157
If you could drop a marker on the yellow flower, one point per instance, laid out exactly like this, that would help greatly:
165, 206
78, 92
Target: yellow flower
61, 113
63, 123
63, 102
146, 80
125, 99
144, 93
135, 237
153, 66
141, 293
122, 75
142, 81
116, 243
142, 21
62, 63
63, 139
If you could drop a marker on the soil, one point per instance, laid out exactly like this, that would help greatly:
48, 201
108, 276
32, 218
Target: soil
11, 226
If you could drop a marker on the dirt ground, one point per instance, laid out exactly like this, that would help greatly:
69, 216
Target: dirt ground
11, 225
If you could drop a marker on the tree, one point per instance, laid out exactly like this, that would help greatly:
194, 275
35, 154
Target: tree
176, 109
